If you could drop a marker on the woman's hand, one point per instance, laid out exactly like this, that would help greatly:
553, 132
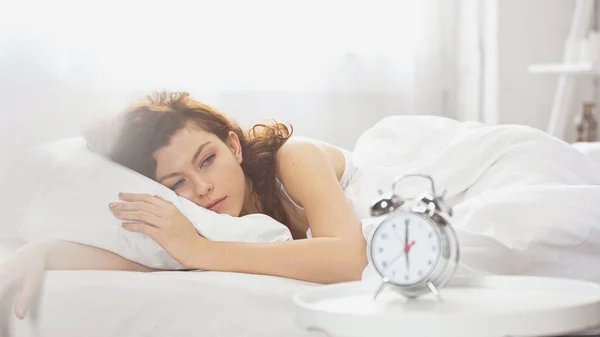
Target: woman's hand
23, 272
161, 221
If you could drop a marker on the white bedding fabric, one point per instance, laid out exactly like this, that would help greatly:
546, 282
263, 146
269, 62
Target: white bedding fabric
161, 304
524, 202
591, 149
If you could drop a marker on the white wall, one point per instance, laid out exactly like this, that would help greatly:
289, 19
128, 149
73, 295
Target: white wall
330, 81
39, 105
469, 61
526, 32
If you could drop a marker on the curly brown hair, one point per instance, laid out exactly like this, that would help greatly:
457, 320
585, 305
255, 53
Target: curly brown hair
130, 139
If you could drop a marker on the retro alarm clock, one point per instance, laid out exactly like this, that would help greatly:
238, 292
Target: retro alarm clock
414, 249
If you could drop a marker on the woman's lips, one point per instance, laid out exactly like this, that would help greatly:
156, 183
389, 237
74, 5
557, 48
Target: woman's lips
218, 205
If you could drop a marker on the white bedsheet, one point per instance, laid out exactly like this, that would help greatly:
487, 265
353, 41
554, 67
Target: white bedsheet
161, 304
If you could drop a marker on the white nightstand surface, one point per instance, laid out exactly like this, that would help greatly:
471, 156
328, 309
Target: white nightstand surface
492, 306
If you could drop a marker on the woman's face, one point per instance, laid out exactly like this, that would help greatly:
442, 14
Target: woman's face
200, 167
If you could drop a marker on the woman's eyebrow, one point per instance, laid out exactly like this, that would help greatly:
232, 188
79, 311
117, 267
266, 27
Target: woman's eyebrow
198, 152
200, 148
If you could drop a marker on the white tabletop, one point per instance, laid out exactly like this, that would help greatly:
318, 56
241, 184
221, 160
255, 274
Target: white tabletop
491, 306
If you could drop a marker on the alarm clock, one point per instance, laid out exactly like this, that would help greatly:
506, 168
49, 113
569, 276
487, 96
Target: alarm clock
414, 249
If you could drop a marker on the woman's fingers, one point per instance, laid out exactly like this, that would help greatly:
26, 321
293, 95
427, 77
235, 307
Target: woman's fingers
29, 288
137, 206
25, 275
139, 216
23, 272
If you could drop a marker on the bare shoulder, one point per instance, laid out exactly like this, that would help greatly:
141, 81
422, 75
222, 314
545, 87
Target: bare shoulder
308, 170
302, 149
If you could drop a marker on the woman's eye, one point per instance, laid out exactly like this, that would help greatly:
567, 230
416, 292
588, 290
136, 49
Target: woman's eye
177, 185
208, 160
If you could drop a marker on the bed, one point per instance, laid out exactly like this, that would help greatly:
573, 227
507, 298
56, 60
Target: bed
114, 303
110, 303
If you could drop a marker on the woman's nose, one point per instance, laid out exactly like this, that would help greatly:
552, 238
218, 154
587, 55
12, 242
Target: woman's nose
203, 188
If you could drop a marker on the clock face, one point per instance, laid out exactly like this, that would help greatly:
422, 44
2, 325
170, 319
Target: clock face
405, 248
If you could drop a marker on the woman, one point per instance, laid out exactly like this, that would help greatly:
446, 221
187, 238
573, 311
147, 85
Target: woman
205, 157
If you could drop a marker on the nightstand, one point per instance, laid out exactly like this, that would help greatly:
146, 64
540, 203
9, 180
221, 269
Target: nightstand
487, 306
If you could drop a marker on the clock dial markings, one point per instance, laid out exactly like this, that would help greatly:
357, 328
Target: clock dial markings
417, 241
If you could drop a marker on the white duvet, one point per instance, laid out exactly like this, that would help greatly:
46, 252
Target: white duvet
524, 203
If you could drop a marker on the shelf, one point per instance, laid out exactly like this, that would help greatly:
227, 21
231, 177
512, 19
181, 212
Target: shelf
565, 69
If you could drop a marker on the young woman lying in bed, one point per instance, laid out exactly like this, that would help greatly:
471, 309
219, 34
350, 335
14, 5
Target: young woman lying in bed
205, 157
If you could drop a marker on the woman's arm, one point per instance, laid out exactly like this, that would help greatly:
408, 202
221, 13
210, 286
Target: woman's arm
337, 252
74, 256
64, 255
24, 270
321, 260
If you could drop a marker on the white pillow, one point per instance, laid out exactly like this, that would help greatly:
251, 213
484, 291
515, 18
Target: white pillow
69, 197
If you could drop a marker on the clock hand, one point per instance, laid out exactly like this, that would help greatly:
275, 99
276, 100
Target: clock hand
406, 248
397, 236
394, 259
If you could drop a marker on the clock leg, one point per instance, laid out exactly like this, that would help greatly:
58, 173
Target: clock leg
383, 284
434, 291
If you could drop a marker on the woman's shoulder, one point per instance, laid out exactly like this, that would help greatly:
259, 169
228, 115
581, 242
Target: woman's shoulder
304, 149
